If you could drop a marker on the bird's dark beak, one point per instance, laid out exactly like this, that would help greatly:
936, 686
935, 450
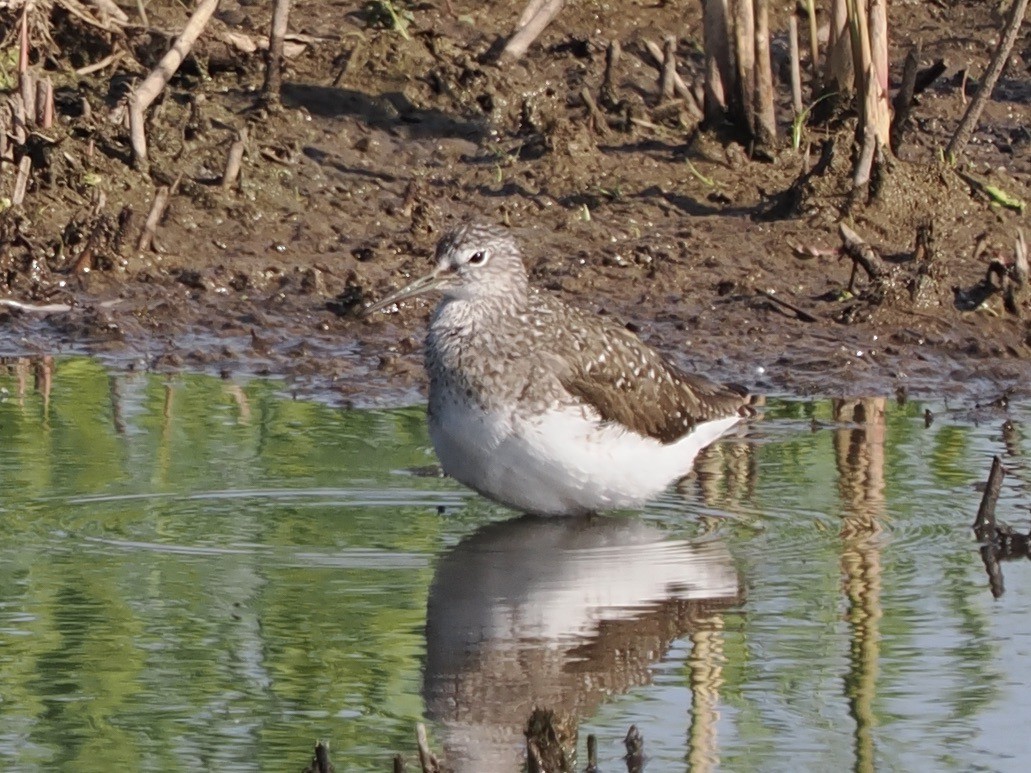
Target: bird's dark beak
432, 281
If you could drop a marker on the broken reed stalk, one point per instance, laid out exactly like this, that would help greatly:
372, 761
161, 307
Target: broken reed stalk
270, 90
234, 159
744, 39
667, 80
837, 76
814, 47
679, 85
21, 182
999, 57
27, 87
427, 759
530, 30
157, 211
45, 104
878, 32
903, 102
531, 10
796, 71
718, 77
144, 95
765, 129
19, 119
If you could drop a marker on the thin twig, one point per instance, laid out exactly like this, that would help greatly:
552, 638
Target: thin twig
145, 94
679, 85
802, 314
999, 57
984, 523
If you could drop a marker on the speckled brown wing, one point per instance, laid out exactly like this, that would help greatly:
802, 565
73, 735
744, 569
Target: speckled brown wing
631, 384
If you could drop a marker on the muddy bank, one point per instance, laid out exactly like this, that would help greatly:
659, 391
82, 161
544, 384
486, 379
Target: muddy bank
385, 140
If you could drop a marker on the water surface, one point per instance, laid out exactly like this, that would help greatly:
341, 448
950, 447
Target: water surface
198, 574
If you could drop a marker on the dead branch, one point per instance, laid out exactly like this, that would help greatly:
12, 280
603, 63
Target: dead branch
608, 82
861, 253
427, 759
157, 211
145, 94
999, 57
903, 103
596, 119
679, 86
529, 30
802, 314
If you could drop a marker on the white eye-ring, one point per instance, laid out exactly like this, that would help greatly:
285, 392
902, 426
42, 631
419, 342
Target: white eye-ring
478, 258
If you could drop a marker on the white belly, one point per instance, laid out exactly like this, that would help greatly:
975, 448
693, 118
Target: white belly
562, 462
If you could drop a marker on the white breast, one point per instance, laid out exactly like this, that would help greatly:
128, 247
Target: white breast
562, 461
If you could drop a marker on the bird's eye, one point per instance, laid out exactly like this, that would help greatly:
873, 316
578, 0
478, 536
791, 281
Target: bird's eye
478, 258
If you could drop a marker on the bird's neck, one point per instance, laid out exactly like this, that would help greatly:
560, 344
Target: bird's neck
461, 312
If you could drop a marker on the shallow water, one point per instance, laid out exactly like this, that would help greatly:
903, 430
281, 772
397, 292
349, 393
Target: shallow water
200, 574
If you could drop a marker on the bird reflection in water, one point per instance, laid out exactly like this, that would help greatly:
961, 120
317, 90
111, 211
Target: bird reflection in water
559, 614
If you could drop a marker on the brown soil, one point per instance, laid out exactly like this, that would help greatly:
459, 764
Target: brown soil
384, 141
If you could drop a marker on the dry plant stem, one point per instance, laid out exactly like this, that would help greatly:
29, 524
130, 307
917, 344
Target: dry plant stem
796, 71
531, 10
718, 78
596, 118
157, 211
21, 182
608, 81
744, 39
45, 104
97, 66
837, 76
27, 82
904, 100
19, 120
23, 41
878, 31
814, 48
152, 85
529, 32
984, 91
860, 252
234, 159
765, 117
141, 9
108, 7
274, 66
427, 759
679, 85
669, 68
